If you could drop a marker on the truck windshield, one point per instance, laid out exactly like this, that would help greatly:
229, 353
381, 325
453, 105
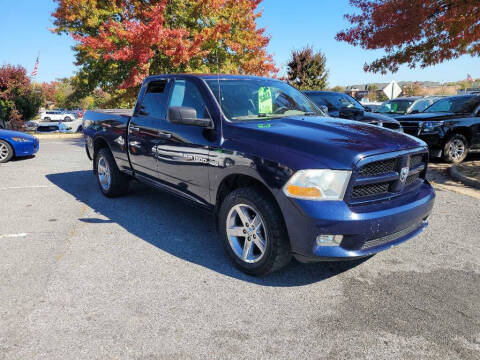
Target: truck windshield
457, 105
257, 99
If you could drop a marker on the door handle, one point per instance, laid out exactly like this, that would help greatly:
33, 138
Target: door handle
163, 135
134, 129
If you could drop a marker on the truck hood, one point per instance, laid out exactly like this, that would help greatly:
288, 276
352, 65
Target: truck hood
430, 117
317, 141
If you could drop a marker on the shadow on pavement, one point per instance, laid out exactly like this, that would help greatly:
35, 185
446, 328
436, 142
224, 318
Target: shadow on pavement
185, 231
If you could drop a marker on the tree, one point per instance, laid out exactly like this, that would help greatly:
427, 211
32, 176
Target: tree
338, 88
120, 42
372, 92
18, 98
414, 32
412, 89
307, 69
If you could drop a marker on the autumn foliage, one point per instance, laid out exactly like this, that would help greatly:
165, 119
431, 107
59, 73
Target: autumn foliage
414, 32
120, 42
18, 99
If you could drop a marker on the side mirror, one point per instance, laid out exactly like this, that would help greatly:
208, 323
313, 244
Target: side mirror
187, 116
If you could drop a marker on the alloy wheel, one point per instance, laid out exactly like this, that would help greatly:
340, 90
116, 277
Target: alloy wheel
104, 175
246, 233
4, 152
457, 149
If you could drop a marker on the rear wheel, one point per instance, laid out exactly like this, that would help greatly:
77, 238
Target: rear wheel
112, 181
6, 152
253, 233
455, 149
67, 119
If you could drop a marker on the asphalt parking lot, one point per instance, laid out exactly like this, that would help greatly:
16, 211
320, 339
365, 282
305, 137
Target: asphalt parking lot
144, 277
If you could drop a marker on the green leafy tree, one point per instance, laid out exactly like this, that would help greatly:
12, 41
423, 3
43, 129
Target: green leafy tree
307, 69
339, 89
121, 42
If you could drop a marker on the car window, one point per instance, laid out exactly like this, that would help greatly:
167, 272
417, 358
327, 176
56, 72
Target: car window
317, 99
420, 105
155, 99
458, 105
186, 93
395, 107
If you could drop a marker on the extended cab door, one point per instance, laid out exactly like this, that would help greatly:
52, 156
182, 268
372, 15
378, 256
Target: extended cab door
144, 129
183, 159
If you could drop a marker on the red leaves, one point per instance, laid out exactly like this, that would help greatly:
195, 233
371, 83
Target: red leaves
424, 32
167, 36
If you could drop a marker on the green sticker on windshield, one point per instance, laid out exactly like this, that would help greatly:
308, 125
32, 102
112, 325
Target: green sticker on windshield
265, 101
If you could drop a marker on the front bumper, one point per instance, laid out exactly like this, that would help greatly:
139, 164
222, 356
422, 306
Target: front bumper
26, 148
366, 229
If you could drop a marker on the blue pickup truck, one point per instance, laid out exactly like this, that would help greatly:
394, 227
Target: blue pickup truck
281, 178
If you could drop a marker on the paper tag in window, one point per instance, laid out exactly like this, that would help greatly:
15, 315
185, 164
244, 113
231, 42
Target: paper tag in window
265, 102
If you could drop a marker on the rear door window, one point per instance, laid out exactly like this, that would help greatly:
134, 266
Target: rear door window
154, 102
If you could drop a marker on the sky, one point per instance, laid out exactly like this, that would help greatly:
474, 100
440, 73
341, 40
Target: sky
24, 29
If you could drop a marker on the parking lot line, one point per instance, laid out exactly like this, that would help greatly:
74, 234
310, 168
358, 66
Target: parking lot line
13, 235
27, 187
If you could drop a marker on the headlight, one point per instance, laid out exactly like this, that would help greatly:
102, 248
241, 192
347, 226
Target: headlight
19, 139
431, 125
318, 184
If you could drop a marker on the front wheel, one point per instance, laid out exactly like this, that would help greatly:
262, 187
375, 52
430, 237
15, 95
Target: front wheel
6, 152
455, 149
112, 181
253, 232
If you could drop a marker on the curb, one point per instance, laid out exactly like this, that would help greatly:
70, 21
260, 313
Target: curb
57, 136
467, 180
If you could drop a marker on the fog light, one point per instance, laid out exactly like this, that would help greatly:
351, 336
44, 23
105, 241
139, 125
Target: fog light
329, 240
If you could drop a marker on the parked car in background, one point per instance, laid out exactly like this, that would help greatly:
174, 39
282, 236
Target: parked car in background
450, 127
66, 126
371, 105
30, 126
16, 144
344, 106
57, 115
420, 105
398, 106
280, 177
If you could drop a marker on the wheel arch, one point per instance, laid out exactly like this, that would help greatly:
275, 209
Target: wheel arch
238, 180
463, 130
11, 145
98, 144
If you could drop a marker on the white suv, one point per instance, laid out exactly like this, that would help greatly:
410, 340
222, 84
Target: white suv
56, 115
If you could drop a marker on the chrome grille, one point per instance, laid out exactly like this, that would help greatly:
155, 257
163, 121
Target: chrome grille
380, 179
379, 167
369, 190
416, 160
389, 238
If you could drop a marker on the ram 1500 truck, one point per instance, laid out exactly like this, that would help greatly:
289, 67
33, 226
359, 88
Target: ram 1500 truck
282, 179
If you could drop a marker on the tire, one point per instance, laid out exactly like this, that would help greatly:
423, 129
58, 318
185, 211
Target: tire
80, 128
256, 204
111, 180
6, 152
67, 119
455, 149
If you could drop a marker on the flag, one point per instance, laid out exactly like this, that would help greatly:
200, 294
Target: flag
35, 69
469, 78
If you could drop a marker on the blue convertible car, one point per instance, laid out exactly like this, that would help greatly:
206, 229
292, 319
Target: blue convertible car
16, 144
